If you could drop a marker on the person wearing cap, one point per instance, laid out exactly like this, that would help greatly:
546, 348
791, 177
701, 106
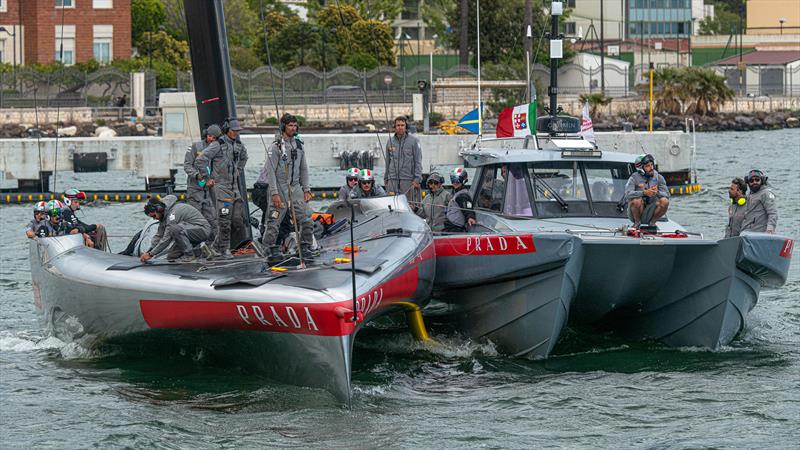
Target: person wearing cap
737, 191
366, 186
198, 193
351, 180
286, 171
761, 214
403, 173
231, 138
219, 167
646, 193
39, 219
181, 225
434, 205
460, 214
93, 234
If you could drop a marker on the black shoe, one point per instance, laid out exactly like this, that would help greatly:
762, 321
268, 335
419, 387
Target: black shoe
306, 252
186, 259
274, 256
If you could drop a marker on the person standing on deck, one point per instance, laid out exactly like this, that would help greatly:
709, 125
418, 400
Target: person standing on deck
737, 192
198, 193
761, 214
403, 173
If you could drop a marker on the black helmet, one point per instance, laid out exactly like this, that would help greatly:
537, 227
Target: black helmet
154, 205
642, 160
755, 173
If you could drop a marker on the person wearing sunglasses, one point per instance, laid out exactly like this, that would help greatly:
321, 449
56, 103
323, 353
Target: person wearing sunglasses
39, 218
351, 180
53, 225
434, 205
366, 186
93, 234
761, 214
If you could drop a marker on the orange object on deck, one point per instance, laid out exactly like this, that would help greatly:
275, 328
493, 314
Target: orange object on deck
325, 218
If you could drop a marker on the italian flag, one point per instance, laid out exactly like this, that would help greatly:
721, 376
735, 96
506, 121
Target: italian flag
518, 121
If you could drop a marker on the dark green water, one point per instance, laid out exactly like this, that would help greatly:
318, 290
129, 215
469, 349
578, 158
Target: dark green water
595, 392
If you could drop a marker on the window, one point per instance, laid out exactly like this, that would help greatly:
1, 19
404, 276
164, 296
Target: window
3, 6
102, 4
570, 3
505, 189
2, 51
606, 181
65, 40
65, 3
173, 123
102, 43
569, 28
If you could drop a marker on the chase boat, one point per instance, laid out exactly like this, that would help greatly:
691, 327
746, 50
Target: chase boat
296, 325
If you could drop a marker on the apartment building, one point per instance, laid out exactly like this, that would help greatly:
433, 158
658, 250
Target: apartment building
70, 31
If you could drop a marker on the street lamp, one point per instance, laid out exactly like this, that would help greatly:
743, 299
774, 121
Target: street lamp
782, 20
13, 35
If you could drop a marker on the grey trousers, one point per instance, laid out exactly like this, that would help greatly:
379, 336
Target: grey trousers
184, 238
203, 200
397, 187
229, 210
305, 224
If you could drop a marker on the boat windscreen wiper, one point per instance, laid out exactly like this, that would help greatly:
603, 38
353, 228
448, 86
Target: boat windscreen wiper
543, 188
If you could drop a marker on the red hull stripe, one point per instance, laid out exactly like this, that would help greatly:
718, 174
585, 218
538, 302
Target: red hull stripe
484, 245
786, 250
322, 319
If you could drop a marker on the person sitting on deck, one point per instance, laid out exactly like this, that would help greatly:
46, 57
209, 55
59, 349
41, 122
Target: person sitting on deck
180, 224
93, 234
366, 186
351, 180
54, 226
460, 215
646, 193
39, 219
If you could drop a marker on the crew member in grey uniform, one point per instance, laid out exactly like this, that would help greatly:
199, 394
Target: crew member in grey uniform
761, 214
646, 193
737, 192
181, 225
434, 205
286, 169
39, 219
198, 193
459, 215
219, 166
403, 173
366, 186
231, 137
351, 180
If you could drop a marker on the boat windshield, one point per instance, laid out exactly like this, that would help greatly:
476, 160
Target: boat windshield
554, 188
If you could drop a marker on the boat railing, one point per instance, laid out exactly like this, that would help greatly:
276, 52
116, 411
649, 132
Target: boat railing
693, 154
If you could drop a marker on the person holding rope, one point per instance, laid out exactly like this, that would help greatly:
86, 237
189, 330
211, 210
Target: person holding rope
403, 173
286, 173
460, 215
435, 203
198, 193
94, 235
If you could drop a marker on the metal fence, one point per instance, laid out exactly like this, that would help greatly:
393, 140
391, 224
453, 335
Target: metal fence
70, 87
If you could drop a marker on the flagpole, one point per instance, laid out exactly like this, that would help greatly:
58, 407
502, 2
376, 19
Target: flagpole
480, 104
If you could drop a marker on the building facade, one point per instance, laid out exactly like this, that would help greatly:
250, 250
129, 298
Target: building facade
70, 31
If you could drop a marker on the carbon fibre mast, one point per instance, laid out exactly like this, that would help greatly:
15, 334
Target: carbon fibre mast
213, 85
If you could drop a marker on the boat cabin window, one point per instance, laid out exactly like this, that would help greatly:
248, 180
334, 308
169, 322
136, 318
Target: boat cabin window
504, 189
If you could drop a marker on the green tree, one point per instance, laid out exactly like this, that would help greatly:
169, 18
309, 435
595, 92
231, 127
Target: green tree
374, 38
384, 10
146, 15
688, 90
595, 100
723, 22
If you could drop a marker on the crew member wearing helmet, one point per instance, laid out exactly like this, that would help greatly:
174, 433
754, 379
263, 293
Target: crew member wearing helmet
219, 167
93, 234
351, 179
460, 214
198, 193
285, 171
434, 205
181, 225
403, 173
737, 192
54, 226
39, 219
646, 193
761, 214
366, 186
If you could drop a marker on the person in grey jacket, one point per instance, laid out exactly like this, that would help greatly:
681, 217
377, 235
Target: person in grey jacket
181, 225
366, 186
761, 214
646, 193
198, 194
220, 166
403, 173
286, 170
434, 205
737, 192
351, 181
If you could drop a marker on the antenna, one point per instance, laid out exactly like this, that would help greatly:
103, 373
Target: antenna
478, 38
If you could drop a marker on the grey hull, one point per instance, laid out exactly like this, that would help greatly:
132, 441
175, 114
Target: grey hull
519, 301
297, 325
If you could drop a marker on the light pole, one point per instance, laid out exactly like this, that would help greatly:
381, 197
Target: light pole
782, 20
13, 35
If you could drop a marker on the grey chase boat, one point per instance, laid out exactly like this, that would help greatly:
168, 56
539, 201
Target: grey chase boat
294, 325
553, 247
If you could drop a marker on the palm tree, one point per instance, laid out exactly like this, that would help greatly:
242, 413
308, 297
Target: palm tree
707, 89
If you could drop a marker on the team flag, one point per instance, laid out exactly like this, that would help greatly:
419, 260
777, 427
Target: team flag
587, 129
518, 121
471, 121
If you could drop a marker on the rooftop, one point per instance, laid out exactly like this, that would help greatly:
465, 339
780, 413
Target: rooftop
782, 57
